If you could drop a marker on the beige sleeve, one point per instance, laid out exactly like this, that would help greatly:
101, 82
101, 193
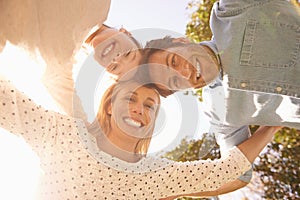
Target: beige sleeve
61, 88
21, 116
54, 30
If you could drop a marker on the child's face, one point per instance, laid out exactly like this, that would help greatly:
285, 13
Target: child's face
125, 66
111, 43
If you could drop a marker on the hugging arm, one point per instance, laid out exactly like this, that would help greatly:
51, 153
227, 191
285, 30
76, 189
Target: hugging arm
21, 116
226, 188
251, 149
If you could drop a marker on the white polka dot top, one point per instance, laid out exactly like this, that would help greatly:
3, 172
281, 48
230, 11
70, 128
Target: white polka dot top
73, 168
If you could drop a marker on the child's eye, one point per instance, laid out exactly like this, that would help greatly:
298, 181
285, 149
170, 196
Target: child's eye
127, 53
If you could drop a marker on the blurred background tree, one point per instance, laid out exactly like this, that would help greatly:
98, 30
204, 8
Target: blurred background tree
198, 28
278, 167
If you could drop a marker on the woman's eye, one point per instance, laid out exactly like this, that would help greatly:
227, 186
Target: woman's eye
149, 106
130, 99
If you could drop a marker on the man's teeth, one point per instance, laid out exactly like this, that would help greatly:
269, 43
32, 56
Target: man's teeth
198, 68
133, 123
107, 50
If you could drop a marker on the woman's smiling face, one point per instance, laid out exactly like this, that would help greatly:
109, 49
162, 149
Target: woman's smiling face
133, 110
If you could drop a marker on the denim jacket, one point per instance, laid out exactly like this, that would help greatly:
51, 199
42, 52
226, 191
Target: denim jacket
258, 42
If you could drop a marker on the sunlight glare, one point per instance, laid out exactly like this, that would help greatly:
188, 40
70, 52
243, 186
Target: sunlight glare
19, 169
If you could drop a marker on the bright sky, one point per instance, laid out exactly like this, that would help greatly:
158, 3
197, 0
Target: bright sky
137, 14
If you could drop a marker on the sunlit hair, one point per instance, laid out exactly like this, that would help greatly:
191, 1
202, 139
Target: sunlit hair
104, 118
162, 44
91, 36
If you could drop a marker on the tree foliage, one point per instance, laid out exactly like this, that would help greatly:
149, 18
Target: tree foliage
189, 150
279, 166
198, 28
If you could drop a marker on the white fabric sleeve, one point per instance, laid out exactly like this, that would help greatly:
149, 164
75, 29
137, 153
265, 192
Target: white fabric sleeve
21, 116
202, 175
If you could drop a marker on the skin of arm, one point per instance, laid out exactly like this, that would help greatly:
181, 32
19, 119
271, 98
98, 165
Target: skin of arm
251, 149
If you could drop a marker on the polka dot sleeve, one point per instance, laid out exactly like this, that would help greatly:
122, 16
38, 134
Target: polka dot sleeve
21, 116
203, 175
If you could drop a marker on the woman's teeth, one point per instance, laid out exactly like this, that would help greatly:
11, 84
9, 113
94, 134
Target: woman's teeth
132, 122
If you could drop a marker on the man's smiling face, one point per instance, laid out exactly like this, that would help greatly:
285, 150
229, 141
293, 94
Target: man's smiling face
184, 66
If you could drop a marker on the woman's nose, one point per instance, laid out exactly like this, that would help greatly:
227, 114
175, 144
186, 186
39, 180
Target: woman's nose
137, 108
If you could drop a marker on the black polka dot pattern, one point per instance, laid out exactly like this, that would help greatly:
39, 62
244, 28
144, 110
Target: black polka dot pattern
74, 169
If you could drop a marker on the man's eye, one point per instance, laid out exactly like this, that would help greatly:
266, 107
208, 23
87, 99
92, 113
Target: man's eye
174, 83
174, 61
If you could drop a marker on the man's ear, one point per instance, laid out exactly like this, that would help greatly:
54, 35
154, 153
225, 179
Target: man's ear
123, 30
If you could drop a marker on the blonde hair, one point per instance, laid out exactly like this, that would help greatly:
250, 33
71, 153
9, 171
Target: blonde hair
104, 118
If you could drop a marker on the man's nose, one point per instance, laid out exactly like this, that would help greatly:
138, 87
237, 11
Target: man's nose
185, 70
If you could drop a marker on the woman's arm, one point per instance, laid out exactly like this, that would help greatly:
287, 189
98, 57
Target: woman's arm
226, 188
251, 149
21, 116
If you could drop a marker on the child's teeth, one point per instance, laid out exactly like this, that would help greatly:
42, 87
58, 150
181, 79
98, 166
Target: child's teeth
107, 50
